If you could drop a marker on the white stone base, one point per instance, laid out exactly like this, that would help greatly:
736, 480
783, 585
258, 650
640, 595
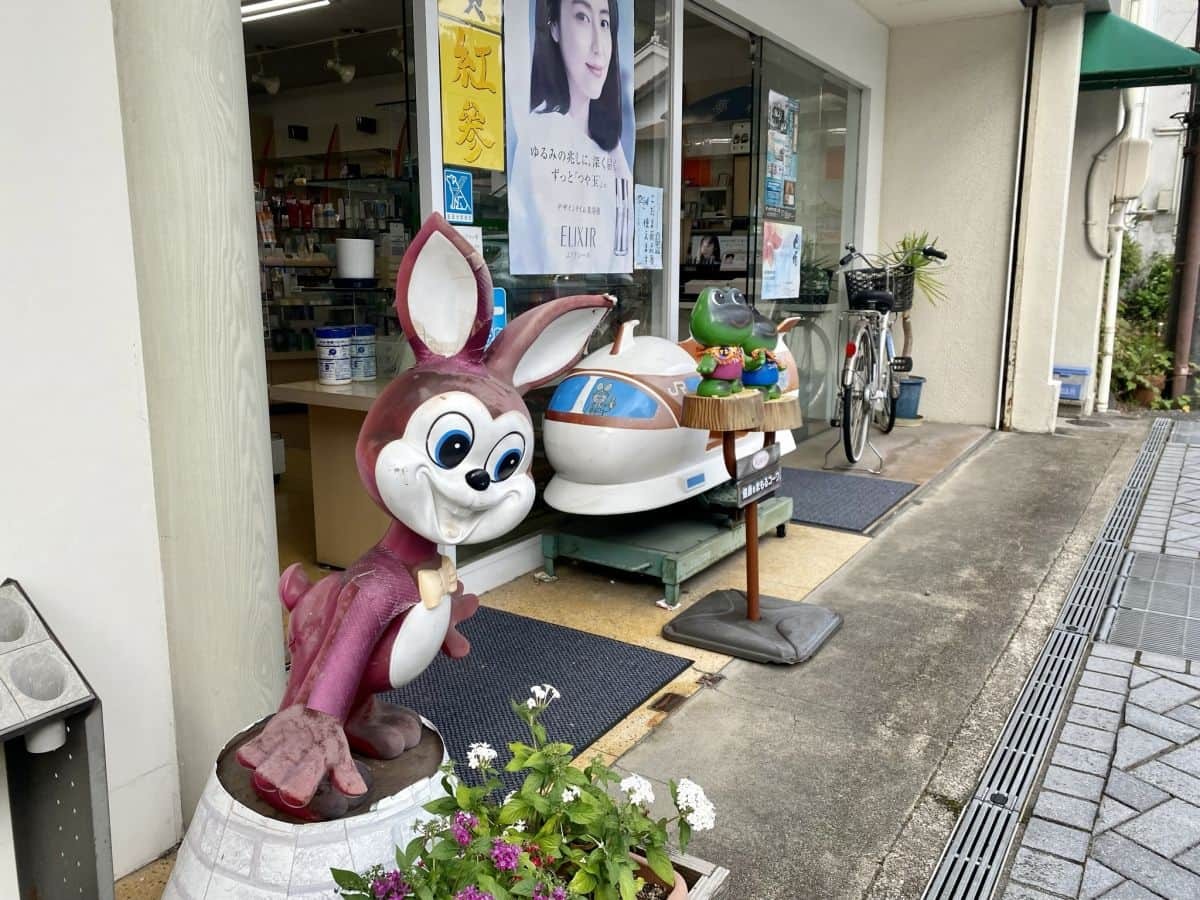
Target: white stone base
230, 851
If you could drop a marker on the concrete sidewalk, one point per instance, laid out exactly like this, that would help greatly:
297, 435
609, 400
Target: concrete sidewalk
843, 777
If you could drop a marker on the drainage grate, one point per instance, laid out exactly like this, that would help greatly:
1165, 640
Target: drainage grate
1089, 594
1124, 512
1158, 605
1018, 755
974, 858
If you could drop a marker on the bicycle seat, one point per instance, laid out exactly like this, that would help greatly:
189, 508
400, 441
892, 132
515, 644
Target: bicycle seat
880, 301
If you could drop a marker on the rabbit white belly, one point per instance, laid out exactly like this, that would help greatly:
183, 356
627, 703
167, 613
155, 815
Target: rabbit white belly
418, 641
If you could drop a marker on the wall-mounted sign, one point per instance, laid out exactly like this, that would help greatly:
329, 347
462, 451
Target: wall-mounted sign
780, 186
781, 250
472, 83
570, 136
647, 227
458, 196
499, 312
739, 137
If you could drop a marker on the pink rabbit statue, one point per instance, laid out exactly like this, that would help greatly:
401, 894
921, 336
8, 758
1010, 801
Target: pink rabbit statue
445, 450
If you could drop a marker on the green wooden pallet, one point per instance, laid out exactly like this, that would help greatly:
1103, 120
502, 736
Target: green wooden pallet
662, 545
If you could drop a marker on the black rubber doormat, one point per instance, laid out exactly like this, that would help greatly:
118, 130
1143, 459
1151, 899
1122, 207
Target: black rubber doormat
847, 502
601, 682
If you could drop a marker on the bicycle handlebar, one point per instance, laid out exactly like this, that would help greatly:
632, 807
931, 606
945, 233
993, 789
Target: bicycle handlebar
930, 251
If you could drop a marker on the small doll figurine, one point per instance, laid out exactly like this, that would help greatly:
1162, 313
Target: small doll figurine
762, 366
721, 323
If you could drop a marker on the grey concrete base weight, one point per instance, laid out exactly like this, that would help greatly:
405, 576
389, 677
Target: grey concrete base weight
787, 632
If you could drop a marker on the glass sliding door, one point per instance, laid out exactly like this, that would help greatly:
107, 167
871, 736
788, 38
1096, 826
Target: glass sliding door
806, 155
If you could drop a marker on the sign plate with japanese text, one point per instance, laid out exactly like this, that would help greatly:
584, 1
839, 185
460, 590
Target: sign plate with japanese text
759, 474
472, 78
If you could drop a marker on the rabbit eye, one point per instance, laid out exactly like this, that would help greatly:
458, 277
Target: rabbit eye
450, 439
506, 456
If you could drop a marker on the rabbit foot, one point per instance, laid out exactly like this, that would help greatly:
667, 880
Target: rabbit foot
382, 730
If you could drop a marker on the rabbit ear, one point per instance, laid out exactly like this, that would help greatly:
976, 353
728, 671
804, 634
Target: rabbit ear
443, 293
546, 341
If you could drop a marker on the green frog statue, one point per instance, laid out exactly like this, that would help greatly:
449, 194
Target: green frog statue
761, 366
721, 323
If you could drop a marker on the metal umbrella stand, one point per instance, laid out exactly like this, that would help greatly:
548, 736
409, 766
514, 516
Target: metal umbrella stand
746, 624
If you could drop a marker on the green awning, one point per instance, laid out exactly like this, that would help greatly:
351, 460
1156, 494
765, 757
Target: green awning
1119, 54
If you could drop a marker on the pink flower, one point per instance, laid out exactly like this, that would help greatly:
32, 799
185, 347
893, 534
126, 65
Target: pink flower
391, 886
505, 855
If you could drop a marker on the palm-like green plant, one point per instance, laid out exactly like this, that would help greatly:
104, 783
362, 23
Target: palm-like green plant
927, 275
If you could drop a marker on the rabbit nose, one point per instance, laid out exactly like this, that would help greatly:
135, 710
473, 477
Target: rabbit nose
478, 479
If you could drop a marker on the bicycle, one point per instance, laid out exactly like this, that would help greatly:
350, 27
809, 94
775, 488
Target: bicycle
868, 387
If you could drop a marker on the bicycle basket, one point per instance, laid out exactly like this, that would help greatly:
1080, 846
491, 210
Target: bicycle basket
876, 279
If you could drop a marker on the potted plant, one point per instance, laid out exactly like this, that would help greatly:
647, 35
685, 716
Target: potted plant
567, 833
926, 277
817, 274
1140, 363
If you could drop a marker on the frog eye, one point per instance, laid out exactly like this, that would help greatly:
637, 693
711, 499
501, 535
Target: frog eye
720, 297
737, 296
450, 439
506, 456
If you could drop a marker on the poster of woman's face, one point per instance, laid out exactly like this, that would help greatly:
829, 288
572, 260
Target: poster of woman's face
570, 135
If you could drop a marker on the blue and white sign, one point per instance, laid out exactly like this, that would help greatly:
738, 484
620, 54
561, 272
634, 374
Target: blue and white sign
499, 312
459, 199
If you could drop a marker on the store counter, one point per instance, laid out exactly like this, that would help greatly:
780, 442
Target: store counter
347, 522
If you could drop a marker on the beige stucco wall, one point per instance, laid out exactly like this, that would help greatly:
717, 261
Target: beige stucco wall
1079, 305
950, 151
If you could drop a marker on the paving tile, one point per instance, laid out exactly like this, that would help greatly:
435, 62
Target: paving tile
1092, 738
1172, 729
1065, 810
1162, 695
1077, 784
1141, 865
1171, 780
1133, 791
1191, 681
1103, 682
1130, 890
1108, 700
1112, 813
1080, 759
1168, 829
1096, 718
1025, 892
1191, 859
1135, 746
1109, 666
1051, 873
1189, 714
1057, 839
1097, 878
1112, 651
1186, 758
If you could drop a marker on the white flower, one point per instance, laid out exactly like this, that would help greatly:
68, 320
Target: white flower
551, 691
638, 790
542, 694
508, 797
480, 754
539, 693
695, 807
531, 703
569, 794
518, 825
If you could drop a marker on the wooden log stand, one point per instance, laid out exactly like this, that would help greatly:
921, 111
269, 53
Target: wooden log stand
744, 623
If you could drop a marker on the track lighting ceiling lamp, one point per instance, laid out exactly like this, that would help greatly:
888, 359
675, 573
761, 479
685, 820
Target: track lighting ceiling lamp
269, 83
345, 71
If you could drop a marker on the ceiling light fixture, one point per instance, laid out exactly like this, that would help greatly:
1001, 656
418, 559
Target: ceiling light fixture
269, 83
268, 9
345, 71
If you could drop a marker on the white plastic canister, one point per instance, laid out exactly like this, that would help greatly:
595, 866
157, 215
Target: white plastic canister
333, 354
362, 353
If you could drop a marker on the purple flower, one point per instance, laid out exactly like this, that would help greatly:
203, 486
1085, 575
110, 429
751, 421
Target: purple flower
559, 893
391, 886
463, 823
505, 855
473, 893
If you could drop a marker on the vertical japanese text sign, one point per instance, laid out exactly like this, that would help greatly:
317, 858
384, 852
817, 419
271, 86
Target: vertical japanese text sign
472, 80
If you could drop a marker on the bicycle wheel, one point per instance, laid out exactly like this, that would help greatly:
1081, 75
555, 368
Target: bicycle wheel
885, 415
856, 403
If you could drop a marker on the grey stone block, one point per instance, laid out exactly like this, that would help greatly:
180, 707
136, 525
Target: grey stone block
1109, 666
1133, 791
1172, 729
1103, 699
1097, 878
1130, 890
1025, 892
1162, 695
1096, 718
1191, 859
1168, 829
1092, 738
1050, 873
1076, 784
1057, 839
1189, 714
1112, 651
1144, 866
1103, 682
1113, 813
1170, 780
1135, 746
1186, 759
1080, 759
1065, 810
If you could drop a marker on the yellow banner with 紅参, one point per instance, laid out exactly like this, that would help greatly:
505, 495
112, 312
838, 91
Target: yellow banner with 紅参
472, 96
480, 13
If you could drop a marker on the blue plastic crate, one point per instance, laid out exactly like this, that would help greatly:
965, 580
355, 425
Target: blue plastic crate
1072, 382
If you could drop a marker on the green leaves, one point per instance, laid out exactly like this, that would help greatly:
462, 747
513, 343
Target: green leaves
927, 273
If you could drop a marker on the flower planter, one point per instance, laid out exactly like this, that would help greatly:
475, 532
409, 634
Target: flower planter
700, 880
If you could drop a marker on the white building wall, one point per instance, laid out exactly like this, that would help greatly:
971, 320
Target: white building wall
76, 485
1080, 304
949, 167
